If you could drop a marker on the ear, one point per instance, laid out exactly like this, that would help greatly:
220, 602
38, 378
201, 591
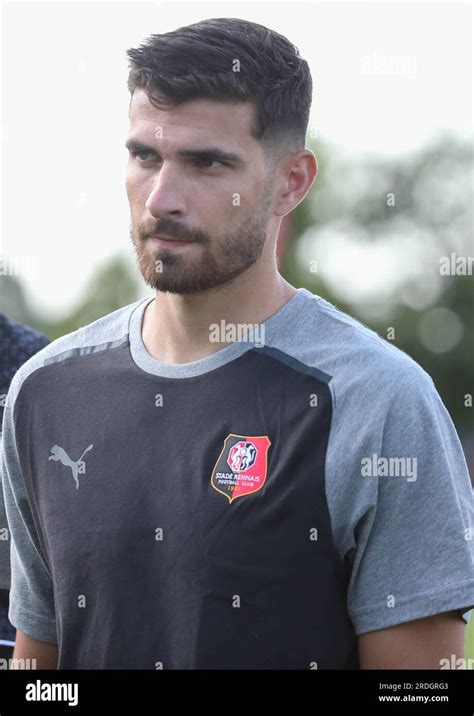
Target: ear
297, 174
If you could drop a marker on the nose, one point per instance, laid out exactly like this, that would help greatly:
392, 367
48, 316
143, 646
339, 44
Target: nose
166, 195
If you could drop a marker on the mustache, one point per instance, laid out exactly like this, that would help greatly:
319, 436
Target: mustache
175, 232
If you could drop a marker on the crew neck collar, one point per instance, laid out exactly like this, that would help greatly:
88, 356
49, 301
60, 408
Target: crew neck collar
149, 364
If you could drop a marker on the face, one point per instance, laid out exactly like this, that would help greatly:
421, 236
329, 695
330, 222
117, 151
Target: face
197, 178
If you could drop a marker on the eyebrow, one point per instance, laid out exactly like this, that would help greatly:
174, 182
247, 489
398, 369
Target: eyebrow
133, 145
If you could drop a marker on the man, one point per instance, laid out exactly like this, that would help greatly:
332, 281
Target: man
293, 498
17, 344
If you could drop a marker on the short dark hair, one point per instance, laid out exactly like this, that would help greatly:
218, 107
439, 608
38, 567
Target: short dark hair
198, 61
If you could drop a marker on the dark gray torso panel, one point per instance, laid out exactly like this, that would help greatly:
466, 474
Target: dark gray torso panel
151, 564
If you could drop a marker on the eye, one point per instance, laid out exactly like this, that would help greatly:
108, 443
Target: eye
139, 152
203, 162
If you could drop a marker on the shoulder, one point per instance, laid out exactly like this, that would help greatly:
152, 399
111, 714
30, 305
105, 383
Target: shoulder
19, 343
105, 332
362, 365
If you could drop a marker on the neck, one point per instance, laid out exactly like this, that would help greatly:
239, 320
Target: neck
176, 328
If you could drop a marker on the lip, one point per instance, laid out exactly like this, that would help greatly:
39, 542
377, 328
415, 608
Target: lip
163, 240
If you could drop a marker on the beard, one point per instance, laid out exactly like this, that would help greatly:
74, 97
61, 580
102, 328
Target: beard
215, 262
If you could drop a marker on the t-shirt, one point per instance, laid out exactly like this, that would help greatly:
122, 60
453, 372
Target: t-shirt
17, 344
256, 509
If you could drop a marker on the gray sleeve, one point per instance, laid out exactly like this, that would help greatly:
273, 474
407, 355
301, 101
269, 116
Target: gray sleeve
414, 554
4, 536
31, 592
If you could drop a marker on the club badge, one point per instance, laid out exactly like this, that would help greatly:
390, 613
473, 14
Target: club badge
241, 468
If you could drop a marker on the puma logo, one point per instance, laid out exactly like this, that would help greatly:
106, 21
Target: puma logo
78, 467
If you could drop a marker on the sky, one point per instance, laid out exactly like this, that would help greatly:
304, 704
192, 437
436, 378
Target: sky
389, 77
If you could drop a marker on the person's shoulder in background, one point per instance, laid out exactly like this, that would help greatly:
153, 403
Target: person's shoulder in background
18, 343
